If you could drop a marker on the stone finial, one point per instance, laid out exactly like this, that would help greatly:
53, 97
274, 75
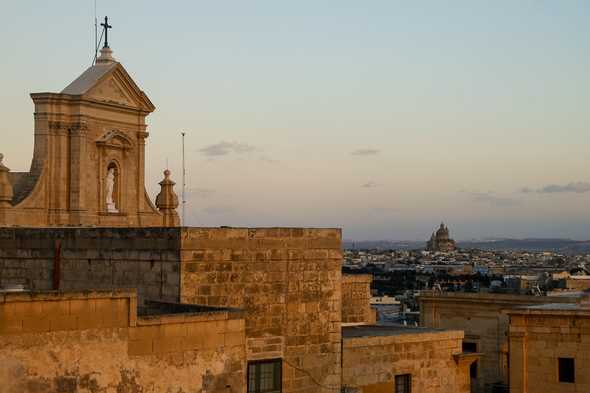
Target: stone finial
106, 56
6, 191
167, 201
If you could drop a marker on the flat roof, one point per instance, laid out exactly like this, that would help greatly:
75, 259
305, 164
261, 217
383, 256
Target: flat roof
556, 306
384, 330
566, 309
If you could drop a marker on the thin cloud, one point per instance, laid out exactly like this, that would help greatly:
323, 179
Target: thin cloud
492, 199
369, 184
365, 152
225, 148
574, 187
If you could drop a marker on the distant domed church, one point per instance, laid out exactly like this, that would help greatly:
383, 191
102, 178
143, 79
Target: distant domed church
441, 241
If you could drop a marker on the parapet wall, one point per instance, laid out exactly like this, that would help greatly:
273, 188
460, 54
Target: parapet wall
93, 258
94, 341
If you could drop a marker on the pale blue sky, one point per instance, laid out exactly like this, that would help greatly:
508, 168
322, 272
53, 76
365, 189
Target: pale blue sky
381, 117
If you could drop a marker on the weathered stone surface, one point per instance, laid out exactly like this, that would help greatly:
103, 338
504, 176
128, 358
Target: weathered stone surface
486, 326
101, 258
356, 299
288, 281
94, 342
539, 337
370, 363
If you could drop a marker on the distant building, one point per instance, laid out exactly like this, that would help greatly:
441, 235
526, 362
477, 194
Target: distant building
440, 240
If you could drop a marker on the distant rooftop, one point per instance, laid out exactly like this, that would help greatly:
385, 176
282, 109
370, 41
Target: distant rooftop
557, 306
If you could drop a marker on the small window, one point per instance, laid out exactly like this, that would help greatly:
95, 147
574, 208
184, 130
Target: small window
265, 376
469, 347
567, 370
403, 383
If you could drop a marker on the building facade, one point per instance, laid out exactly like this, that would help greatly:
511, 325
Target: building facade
549, 348
481, 316
386, 359
88, 165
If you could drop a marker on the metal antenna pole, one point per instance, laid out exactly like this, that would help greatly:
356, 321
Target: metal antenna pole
95, 35
183, 183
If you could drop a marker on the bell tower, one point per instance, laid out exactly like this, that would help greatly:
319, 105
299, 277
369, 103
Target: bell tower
88, 165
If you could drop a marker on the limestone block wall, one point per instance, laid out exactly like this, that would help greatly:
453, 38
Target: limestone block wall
484, 323
94, 258
288, 281
537, 340
370, 364
95, 342
356, 299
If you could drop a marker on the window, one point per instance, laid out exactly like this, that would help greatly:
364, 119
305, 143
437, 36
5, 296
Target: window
403, 383
469, 347
567, 370
265, 376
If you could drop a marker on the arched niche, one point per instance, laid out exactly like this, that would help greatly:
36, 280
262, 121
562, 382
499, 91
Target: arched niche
112, 187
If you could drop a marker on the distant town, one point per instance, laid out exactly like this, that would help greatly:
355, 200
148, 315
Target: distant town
441, 265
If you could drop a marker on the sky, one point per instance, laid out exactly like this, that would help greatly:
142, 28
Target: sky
383, 118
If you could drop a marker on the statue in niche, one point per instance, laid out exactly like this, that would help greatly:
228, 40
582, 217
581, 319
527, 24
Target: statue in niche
110, 188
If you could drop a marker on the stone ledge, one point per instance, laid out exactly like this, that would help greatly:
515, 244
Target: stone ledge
31, 296
467, 357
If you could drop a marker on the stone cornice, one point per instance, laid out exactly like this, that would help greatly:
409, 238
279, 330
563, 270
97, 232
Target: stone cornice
67, 99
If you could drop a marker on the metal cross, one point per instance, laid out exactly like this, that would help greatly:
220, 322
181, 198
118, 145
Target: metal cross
106, 31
